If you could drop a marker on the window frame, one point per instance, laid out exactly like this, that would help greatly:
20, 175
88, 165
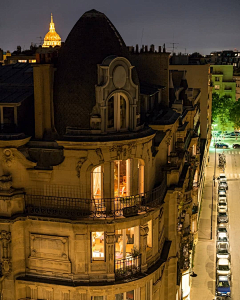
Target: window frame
104, 251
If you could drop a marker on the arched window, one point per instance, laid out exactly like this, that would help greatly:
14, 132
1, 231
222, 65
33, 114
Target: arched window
118, 112
97, 183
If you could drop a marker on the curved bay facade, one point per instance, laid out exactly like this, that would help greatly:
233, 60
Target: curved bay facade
99, 191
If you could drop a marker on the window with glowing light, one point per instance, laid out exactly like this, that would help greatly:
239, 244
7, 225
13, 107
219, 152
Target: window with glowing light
97, 182
122, 178
149, 236
98, 245
217, 87
127, 243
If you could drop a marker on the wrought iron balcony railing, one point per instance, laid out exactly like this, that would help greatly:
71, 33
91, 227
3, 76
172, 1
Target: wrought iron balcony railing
75, 208
127, 267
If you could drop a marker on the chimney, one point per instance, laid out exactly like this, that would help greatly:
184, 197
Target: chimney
137, 49
159, 49
152, 48
146, 49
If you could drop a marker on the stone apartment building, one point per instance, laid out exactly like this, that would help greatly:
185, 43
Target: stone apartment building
101, 163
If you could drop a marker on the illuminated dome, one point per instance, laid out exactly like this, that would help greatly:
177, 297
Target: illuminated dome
52, 38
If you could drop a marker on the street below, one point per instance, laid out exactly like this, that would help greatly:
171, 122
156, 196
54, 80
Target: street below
203, 286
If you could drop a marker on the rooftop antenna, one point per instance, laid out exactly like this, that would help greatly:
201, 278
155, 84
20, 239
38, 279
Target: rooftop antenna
142, 36
173, 46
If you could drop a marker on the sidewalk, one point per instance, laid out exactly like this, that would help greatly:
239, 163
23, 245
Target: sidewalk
203, 286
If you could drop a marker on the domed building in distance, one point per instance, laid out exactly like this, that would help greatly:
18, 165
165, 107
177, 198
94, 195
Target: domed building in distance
52, 38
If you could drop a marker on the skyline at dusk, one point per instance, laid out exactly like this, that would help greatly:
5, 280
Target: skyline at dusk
201, 27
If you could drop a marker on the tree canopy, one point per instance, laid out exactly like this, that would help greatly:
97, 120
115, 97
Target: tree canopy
222, 110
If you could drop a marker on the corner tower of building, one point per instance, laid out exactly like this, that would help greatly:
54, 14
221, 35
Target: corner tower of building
92, 39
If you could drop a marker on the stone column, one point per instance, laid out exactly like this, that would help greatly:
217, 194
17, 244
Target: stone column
110, 259
143, 246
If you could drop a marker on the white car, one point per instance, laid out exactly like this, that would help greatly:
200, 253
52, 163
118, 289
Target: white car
222, 184
223, 253
222, 199
223, 267
222, 176
222, 207
222, 237
222, 228
222, 193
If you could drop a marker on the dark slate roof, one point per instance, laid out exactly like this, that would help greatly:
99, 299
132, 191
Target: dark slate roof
149, 89
92, 39
166, 116
16, 83
16, 75
14, 95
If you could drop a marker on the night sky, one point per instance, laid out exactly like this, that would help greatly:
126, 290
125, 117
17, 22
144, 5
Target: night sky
202, 26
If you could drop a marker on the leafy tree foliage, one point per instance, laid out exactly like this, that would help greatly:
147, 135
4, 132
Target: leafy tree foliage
221, 110
235, 114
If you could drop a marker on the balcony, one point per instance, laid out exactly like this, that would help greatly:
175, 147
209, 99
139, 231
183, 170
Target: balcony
77, 208
128, 267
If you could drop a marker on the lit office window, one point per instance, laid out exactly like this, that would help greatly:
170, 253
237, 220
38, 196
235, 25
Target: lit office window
98, 245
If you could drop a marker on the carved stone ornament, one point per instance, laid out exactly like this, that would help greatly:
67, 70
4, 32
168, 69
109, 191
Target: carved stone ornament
81, 161
5, 182
8, 157
144, 230
100, 155
110, 238
132, 149
115, 151
6, 266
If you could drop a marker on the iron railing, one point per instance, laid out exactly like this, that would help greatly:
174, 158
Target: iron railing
127, 267
74, 208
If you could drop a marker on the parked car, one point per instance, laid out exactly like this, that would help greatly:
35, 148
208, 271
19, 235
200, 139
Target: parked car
222, 184
222, 192
223, 245
222, 237
223, 287
222, 207
221, 145
223, 253
236, 146
222, 228
222, 176
222, 199
223, 267
222, 217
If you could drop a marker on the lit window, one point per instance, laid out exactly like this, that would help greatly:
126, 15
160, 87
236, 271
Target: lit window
127, 242
217, 87
125, 296
32, 61
122, 178
22, 61
97, 183
149, 236
98, 298
98, 245
141, 177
